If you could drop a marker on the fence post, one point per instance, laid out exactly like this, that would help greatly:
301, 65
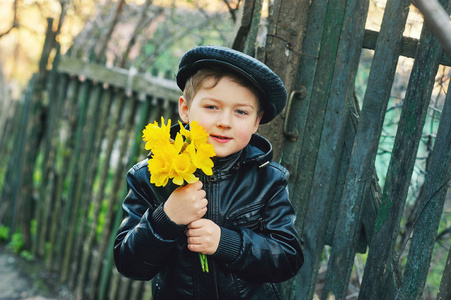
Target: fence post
56, 92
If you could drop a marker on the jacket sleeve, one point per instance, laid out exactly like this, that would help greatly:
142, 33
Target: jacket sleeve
271, 254
146, 237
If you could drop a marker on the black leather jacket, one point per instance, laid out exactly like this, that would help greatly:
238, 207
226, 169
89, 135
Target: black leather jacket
248, 198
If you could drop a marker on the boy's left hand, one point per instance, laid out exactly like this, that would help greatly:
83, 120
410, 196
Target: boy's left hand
203, 236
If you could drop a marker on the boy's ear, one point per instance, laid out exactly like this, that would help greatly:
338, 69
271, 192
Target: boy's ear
183, 109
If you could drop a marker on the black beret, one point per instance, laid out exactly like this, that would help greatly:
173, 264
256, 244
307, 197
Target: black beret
273, 93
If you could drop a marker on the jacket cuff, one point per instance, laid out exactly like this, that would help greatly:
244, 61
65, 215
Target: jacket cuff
229, 245
163, 226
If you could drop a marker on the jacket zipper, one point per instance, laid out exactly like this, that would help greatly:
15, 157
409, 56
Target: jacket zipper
210, 215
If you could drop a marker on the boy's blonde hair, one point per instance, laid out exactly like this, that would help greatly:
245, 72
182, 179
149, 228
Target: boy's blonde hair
197, 81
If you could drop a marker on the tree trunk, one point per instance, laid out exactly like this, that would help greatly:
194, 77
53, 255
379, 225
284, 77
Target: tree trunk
288, 21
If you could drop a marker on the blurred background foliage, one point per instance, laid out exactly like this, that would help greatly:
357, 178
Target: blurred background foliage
143, 34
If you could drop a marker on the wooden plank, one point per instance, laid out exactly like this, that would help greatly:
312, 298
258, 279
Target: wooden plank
431, 202
34, 133
83, 185
379, 270
50, 153
121, 78
114, 211
137, 144
313, 232
8, 118
408, 46
361, 166
137, 290
124, 289
70, 212
6, 212
94, 201
333, 130
119, 102
296, 120
53, 257
17, 163
57, 85
444, 291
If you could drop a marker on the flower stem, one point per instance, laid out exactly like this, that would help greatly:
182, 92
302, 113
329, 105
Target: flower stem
203, 262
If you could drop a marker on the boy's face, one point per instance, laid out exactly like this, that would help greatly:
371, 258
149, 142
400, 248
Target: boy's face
227, 111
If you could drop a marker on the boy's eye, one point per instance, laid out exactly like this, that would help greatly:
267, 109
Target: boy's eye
241, 112
210, 107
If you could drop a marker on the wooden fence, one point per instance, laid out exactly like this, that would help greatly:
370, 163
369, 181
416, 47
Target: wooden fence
331, 146
64, 196
77, 130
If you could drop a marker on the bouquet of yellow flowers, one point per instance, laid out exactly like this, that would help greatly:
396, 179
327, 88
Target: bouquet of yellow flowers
178, 159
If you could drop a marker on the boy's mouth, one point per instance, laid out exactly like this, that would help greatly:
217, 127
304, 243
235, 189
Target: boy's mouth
220, 138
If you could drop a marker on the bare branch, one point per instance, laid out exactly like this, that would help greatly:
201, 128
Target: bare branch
211, 20
161, 47
15, 23
232, 10
138, 28
113, 24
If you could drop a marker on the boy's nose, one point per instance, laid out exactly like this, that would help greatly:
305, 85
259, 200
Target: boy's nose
223, 121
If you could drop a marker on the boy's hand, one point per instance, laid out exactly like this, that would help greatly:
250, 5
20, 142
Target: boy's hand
186, 204
203, 236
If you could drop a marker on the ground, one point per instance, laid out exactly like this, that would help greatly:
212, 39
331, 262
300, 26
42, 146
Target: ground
22, 279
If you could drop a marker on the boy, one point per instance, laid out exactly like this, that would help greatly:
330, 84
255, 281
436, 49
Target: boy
240, 217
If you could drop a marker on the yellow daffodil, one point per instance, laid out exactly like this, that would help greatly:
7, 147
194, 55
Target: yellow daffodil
196, 134
157, 137
178, 159
160, 166
183, 169
201, 157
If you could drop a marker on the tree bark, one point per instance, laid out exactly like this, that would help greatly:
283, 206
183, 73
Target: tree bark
288, 21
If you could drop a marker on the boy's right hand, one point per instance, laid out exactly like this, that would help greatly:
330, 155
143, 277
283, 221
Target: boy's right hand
186, 204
